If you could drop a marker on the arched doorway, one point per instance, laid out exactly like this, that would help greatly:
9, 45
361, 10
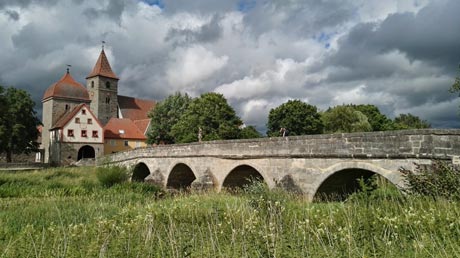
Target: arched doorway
241, 177
86, 152
341, 184
140, 172
181, 177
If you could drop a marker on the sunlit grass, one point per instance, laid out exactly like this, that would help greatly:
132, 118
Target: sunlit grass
38, 219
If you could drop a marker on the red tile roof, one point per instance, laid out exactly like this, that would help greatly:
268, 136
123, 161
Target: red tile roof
142, 125
135, 109
61, 122
122, 128
102, 67
67, 87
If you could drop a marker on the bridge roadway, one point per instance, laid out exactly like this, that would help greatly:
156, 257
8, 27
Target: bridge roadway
311, 164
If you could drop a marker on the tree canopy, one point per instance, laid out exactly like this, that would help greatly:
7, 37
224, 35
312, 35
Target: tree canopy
455, 88
296, 116
164, 116
377, 120
345, 119
18, 122
409, 121
249, 132
213, 115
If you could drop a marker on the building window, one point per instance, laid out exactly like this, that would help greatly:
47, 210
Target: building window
95, 134
83, 133
113, 143
126, 143
83, 111
107, 85
138, 144
90, 121
107, 100
70, 133
67, 107
77, 120
92, 84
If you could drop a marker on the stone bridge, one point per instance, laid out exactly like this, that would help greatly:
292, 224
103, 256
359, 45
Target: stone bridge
311, 164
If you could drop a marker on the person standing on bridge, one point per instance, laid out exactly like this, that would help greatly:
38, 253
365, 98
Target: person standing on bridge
284, 132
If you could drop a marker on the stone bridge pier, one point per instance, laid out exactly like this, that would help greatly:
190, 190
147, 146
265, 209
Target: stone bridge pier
311, 165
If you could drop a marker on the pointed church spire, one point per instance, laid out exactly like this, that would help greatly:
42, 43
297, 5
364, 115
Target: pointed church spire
102, 67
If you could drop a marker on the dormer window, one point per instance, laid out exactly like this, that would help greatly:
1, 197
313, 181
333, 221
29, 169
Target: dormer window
107, 85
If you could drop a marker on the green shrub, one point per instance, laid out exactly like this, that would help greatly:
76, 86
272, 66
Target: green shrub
266, 200
436, 180
375, 188
109, 176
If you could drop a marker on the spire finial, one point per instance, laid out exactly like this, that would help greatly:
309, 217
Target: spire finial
68, 68
103, 43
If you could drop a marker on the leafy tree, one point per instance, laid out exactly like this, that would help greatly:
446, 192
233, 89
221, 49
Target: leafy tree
249, 132
297, 117
18, 122
211, 113
164, 116
455, 88
345, 119
377, 120
409, 121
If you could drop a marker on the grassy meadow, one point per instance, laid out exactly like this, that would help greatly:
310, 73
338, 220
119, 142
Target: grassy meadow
66, 212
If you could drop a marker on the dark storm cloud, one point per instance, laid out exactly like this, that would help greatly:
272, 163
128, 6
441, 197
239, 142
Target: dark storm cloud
412, 57
13, 15
309, 18
25, 3
21, 3
202, 7
209, 32
113, 10
431, 35
33, 41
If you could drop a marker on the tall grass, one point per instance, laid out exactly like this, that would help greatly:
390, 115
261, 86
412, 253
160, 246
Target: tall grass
128, 220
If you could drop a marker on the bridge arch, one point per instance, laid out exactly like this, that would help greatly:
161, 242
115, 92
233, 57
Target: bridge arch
339, 181
180, 176
241, 176
140, 172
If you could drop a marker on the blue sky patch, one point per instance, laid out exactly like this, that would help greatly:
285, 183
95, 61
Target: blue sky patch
246, 5
158, 3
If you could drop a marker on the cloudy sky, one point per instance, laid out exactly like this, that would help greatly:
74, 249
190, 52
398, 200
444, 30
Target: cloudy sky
400, 55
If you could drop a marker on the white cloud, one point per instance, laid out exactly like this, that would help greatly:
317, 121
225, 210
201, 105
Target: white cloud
191, 65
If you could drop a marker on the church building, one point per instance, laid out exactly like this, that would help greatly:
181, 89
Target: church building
76, 118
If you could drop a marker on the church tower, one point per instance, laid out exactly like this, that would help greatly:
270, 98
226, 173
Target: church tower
102, 85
